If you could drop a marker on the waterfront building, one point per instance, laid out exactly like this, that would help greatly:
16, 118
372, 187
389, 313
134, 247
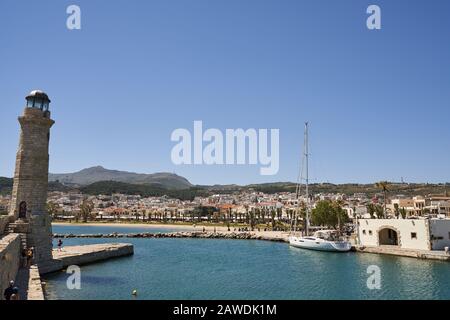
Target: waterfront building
415, 234
439, 206
357, 211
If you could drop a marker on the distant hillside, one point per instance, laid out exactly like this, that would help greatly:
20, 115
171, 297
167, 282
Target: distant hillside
145, 190
407, 189
97, 174
348, 189
6, 185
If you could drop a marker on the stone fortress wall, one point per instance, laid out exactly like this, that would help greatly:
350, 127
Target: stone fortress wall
9, 260
4, 220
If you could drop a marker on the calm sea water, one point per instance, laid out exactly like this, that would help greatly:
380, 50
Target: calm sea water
244, 269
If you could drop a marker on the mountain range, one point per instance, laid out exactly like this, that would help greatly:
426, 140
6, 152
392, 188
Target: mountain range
96, 174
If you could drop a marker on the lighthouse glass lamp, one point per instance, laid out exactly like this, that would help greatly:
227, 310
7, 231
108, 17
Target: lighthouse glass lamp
38, 99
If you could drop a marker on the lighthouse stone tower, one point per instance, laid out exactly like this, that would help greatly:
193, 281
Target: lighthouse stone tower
29, 194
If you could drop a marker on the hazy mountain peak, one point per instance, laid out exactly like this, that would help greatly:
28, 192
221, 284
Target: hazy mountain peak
98, 173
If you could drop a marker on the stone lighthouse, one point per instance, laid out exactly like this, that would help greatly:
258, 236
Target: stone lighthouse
29, 194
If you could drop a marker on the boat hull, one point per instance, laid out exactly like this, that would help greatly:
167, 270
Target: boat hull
319, 244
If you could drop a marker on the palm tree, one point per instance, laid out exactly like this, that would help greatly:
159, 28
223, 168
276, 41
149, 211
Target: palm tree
396, 210
403, 213
86, 208
137, 215
252, 219
371, 210
273, 214
384, 186
246, 214
379, 211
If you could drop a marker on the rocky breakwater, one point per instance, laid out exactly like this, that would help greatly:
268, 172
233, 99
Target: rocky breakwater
198, 235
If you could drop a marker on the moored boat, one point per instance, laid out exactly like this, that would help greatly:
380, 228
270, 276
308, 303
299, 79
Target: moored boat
325, 240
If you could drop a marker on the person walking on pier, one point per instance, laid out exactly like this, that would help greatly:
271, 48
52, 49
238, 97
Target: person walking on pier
60, 243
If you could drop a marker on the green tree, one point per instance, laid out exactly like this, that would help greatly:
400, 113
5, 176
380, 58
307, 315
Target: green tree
329, 214
52, 208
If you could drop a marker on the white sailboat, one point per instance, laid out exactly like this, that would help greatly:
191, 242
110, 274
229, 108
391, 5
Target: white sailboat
323, 240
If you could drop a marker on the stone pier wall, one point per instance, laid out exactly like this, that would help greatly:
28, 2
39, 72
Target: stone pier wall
86, 254
35, 291
9, 260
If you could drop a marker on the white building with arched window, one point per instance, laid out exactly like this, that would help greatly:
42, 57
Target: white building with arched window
415, 234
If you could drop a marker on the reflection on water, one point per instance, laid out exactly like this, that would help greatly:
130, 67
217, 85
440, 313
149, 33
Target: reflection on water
246, 269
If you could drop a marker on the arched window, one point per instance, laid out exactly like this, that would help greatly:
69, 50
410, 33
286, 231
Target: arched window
23, 210
388, 236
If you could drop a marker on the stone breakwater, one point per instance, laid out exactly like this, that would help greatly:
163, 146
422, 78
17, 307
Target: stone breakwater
198, 235
81, 255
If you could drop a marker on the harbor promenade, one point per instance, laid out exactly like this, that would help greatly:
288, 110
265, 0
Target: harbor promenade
396, 251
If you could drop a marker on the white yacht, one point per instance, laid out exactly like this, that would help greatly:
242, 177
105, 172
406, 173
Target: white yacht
324, 240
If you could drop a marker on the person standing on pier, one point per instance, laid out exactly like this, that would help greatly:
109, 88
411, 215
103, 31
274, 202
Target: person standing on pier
11, 293
30, 256
15, 294
23, 258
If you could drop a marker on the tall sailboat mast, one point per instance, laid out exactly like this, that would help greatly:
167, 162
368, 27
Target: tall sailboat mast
306, 155
323, 240
304, 169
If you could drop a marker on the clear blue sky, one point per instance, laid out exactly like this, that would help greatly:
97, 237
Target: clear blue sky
378, 101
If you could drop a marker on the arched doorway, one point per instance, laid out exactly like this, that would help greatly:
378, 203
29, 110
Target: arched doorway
23, 210
388, 236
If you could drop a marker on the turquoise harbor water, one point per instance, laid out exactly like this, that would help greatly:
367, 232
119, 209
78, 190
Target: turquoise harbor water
244, 269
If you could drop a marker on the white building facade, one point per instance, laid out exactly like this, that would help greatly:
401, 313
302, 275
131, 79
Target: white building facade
414, 234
